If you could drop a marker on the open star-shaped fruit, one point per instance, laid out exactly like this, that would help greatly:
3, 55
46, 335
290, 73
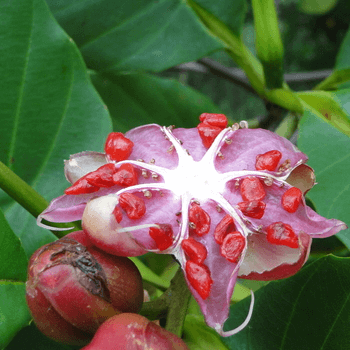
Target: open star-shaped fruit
227, 202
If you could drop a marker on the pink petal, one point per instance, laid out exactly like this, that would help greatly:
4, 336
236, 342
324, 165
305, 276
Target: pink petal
191, 141
303, 220
68, 208
223, 273
150, 143
80, 164
246, 144
265, 261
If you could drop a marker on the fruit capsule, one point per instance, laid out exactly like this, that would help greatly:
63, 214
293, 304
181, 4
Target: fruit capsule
131, 331
73, 288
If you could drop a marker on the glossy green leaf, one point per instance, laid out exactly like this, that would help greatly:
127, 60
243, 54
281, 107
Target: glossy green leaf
326, 106
309, 311
14, 313
50, 108
338, 79
232, 13
30, 338
268, 42
134, 35
329, 155
134, 100
13, 260
341, 73
198, 335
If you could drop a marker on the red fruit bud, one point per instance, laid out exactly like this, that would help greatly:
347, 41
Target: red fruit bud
134, 332
73, 288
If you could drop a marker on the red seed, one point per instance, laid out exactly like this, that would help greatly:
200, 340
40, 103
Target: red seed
208, 133
200, 219
199, 278
225, 226
118, 147
81, 186
102, 177
291, 199
252, 189
282, 234
213, 119
196, 251
253, 209
118, 214
232, 246
268, 160
163, 236
133, 206
125, 176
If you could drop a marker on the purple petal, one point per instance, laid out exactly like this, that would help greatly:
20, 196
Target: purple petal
246, 144
223, 273
303, 220
191, 141
150, 143
80, 164
68, 208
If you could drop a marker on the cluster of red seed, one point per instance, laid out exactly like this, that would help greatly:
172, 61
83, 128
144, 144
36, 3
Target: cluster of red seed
211, 125
231, 241
253, 192
197, 272
117, 148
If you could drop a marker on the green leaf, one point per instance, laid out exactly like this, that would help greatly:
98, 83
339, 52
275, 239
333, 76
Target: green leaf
309, 311
268, 42
13, 260
337, 79
234, 46
326, 106
135, 35
316, 7
134, 100
51, 109
199, 336
329, 155
30, 338
14, 313
341, 74
232, 13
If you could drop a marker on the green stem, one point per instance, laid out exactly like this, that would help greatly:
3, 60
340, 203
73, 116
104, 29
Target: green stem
268, 42
21, 192
26, 196
179, 298
156, 309
252, 67
172, 304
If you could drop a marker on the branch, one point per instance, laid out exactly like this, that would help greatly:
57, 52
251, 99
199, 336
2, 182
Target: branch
237, 76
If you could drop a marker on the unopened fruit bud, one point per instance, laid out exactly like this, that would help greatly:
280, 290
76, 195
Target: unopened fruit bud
73, 288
